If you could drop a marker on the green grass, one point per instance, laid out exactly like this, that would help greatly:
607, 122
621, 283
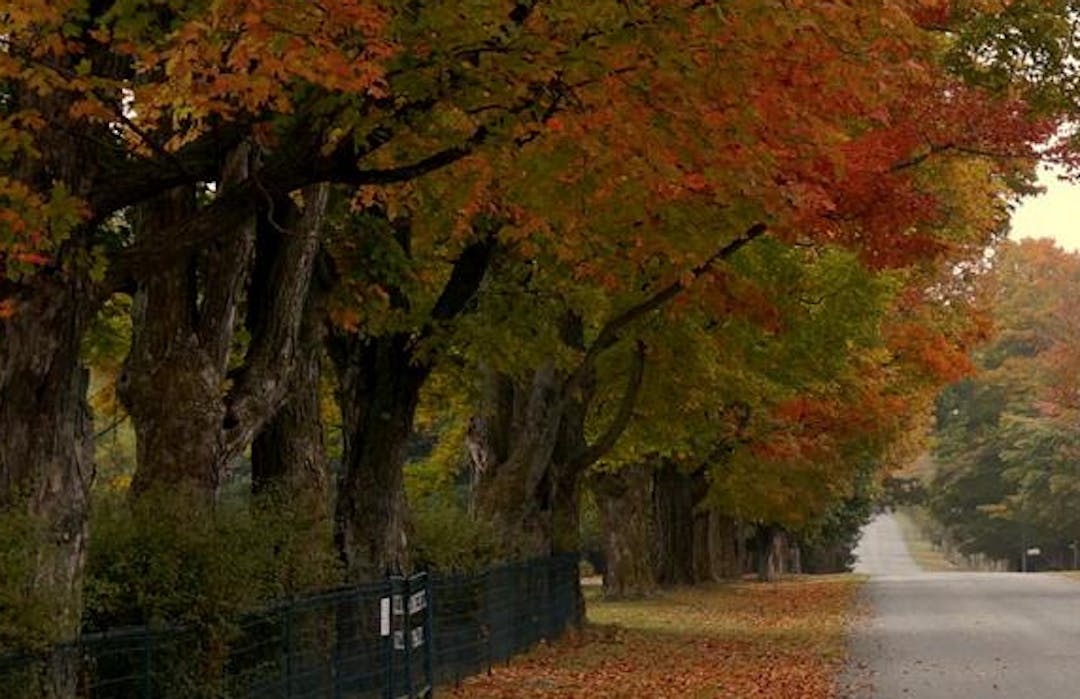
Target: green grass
922, 550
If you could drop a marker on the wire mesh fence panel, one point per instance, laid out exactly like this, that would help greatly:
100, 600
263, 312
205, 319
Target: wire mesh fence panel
19, 675
461, 638
387, 640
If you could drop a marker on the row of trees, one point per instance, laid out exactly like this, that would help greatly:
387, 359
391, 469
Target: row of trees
712, 256
1006, 438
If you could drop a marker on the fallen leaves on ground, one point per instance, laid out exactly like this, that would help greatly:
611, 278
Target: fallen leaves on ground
741, 640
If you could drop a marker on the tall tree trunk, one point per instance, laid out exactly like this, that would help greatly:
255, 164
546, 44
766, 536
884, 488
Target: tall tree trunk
625, 500
378, 391
46, 448
192, 415
676, 495
511, 445
46, 469
724, 535
288, 457
702, 553
567, 463
182, 331
290, 478
771, 550
379, 383
529, 450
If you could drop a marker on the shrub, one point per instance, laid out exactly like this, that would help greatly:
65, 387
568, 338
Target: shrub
448, 539
170, 558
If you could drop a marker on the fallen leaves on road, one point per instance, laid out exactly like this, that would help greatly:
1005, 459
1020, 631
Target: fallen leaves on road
744, 640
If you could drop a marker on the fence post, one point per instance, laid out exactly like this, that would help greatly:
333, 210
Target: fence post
286, 648
148, 640
336, 663
406, 634
429, 639
389, 693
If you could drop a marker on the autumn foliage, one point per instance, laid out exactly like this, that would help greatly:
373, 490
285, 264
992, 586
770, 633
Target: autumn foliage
783, 641
725, 241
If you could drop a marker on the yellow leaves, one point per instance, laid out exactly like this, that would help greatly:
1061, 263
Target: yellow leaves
783, 640
92, 109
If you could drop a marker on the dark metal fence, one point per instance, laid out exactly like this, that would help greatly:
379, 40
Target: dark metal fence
393, 639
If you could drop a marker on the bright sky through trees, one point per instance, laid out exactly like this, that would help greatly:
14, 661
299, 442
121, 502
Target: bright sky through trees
1055, 214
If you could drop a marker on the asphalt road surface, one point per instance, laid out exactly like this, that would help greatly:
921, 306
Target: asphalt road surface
958, 634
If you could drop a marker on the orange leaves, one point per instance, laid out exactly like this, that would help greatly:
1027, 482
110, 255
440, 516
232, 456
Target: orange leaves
30, 258
33, 225
246, 57
944, 360
780, 641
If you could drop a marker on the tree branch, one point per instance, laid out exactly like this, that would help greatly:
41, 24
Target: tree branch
261, 385
469, 270
598, 449
348, 173
613, 329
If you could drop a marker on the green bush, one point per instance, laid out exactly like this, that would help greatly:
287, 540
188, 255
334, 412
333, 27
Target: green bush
170, 558
27, 619
447, 538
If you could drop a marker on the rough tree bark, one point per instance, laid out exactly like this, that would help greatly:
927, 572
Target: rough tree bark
288, 456
290, 476
192, 416
725, 552
379, 387
46, 449
675, 497
510, 445
625, 500
529, 453
46, 467
172, 377
771, 551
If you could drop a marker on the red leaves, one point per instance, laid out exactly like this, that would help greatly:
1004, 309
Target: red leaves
31, 258
781, 641
941, 358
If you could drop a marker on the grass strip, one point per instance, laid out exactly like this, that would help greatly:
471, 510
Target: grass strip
919, 546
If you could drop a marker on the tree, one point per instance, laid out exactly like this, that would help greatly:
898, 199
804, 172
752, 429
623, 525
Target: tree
108, 106
1006, 443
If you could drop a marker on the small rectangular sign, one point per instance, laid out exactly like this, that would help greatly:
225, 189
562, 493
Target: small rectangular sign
384, 616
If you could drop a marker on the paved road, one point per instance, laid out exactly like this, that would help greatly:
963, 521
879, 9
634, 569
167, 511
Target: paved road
967, 635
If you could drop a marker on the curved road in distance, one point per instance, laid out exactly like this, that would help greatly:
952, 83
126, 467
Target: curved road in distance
959, 634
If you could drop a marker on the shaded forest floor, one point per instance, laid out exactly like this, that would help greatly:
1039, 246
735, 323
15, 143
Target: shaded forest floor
782, 640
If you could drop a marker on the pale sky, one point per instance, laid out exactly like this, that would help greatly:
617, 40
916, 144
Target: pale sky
1055, 214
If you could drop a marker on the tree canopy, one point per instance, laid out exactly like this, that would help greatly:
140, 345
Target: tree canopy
706, 262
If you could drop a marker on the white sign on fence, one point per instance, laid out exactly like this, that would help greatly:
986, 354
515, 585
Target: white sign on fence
384, 616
